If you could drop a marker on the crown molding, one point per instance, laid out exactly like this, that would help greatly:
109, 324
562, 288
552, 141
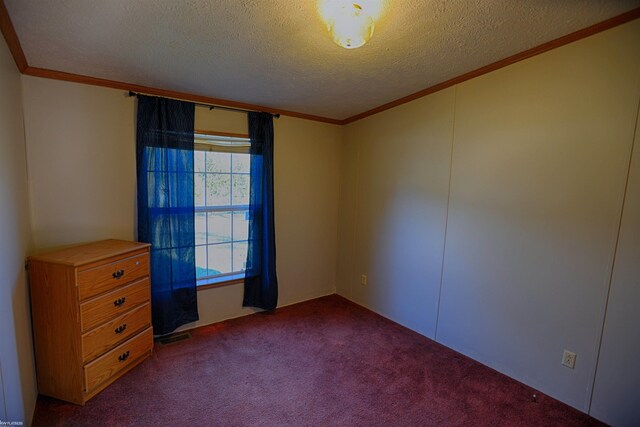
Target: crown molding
545, 47
148, 90
9, 33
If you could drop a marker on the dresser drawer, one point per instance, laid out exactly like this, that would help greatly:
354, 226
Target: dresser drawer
97, 280
104, 337
103, 368
101, 309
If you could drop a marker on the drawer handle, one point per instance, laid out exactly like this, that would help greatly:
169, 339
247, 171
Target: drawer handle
118, 274
120, 329
119, 301
124, 356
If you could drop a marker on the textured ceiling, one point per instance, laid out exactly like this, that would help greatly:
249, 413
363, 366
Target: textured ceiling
279, 54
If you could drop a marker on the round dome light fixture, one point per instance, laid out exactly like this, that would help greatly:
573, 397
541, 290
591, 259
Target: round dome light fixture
351, 23
351, 27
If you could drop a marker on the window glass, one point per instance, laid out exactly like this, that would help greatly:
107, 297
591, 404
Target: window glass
218, 189
199, 189
219, 227
221, 190
240, 188
218, 162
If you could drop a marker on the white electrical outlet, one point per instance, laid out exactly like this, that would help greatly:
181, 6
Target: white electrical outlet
569, 359
363, 279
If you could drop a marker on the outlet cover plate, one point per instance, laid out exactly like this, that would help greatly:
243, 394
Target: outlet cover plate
569, 359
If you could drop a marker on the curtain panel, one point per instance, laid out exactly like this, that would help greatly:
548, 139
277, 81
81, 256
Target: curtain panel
165, 180
261, 282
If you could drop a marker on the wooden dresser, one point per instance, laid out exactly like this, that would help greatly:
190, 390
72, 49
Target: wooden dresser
91, 314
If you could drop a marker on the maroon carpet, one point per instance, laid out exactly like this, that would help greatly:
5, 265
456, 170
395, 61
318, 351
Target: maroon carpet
326, 362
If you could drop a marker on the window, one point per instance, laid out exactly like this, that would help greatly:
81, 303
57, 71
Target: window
221, 190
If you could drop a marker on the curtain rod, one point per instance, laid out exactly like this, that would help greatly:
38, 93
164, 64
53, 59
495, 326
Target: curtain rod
215, 107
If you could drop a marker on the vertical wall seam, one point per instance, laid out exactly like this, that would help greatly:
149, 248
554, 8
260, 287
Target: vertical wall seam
4, 399
615, 255
354, 232
446, 220
31, 244
341, 180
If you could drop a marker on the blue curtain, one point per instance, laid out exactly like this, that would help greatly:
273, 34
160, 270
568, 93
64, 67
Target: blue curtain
164, 155
261, 283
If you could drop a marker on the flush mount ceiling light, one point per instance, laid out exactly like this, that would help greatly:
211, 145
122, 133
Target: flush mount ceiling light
351, 23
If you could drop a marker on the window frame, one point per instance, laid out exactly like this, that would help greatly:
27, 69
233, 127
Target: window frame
200, 144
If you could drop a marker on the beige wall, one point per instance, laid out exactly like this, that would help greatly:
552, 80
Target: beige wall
541, 152
17, 377
81, 150
616, 399
393, 209
533, 168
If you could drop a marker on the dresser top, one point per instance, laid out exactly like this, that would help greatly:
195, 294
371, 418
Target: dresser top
89, 252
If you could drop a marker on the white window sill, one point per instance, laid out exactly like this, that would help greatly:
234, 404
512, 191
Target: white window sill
216, 282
